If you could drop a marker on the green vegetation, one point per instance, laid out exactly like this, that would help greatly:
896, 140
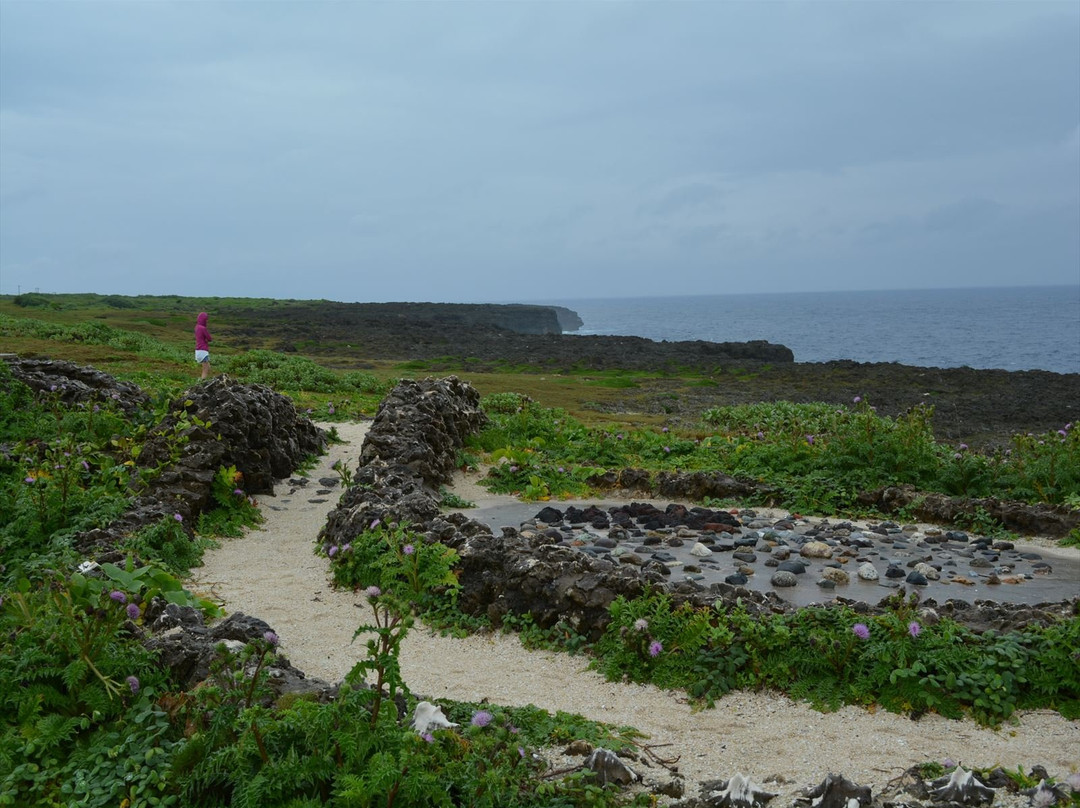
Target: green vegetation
834, 656
90, 718
816, 457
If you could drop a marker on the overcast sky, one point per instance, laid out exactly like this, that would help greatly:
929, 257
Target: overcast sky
498, 151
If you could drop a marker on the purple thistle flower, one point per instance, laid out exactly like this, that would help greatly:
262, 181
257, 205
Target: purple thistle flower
1063, 433
373, 592
29, 480
97, 408
408, 549
761, 436
133, 611
963, 447
346, 548
270, 637
861, 631
913, 628
655, 647
178, 517
521, 751
427, 736
856, 400
513, 469
641, 624
118, 596
948, 763
667, 449
332, 551
665, 429
330, 408
481, 718
133, 683
374, 524
238, 492
86, 466
810, 439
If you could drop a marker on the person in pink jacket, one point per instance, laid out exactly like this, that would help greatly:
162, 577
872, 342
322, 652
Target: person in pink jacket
202, 344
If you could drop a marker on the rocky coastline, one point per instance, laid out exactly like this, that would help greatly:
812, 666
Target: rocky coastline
677, 380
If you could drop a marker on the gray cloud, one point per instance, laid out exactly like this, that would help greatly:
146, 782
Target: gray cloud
478, 151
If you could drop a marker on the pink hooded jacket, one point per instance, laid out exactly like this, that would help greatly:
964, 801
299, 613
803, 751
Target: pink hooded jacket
202, 335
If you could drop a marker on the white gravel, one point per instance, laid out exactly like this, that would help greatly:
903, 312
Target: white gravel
272, 573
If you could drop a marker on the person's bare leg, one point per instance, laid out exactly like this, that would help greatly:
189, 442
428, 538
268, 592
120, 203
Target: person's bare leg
205, 369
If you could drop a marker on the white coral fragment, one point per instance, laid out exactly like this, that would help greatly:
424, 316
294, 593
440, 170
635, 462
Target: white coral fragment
739, 792
962, 787
428, 717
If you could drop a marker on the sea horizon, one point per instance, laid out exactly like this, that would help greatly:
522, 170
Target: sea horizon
997, 327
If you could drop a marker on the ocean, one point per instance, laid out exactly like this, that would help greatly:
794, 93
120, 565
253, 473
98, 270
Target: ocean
1022, 328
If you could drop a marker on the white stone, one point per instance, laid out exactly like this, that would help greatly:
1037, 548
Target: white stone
700, 550
428, 717
867, 571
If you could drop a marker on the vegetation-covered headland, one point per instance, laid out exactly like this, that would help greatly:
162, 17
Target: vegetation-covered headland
92, 716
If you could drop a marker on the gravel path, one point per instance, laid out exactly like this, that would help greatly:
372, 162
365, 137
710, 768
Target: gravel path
272, 573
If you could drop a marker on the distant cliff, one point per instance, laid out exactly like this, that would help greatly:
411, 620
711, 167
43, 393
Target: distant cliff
568, 319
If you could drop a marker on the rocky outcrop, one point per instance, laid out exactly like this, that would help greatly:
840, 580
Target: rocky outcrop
187, 648
1020, 517
218, 423
72, 385
568, 318
421, 425
408, 453
476, 335
544, 570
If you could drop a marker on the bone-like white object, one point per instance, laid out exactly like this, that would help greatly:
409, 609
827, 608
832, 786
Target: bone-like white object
428, 717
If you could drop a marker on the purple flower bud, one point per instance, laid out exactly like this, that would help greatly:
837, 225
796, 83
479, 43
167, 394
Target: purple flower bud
913, 628
133, 611
857, 399
270, 637
667, 449
481, 718
178, 517
665, 429
133, 683
761, 436
427, 736
655, 647
373, 592
118, 596
29, 480
332, 551
408, 549
374, 524
86, 466
238, 492
861, 631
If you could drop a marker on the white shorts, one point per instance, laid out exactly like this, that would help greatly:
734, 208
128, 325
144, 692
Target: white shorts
202, 357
